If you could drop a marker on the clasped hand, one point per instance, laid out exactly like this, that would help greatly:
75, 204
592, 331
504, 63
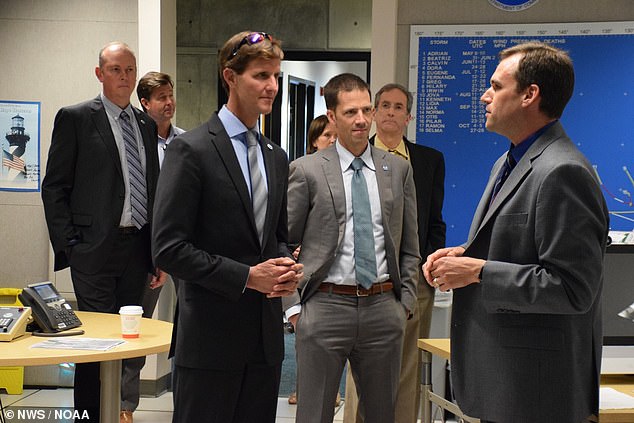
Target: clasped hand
277, 277
447, 269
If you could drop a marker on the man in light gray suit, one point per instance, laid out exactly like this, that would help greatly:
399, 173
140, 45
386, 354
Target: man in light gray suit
353, 306
526, 323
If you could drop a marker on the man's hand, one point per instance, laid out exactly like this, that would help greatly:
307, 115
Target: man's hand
446, 269
276, 277
158, 278
293, 319
443, 252
296, 252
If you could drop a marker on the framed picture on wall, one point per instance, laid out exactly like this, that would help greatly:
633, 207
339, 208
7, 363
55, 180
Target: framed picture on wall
20, 132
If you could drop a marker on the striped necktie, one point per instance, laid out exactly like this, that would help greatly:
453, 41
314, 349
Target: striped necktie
138, 190
258, 189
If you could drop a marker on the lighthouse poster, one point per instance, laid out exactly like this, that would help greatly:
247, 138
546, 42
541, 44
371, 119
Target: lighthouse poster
20, 142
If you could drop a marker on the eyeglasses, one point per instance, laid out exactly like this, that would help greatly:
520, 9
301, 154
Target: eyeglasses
250, 39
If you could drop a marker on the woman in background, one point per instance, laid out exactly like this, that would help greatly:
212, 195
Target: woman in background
321, 134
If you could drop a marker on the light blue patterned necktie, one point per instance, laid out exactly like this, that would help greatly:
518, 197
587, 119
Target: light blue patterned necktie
364, 254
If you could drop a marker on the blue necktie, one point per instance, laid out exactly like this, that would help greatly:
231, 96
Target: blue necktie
364, 254
138, 190
504, 173
258, 189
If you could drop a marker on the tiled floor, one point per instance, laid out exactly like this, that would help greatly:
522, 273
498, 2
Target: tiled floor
151, 410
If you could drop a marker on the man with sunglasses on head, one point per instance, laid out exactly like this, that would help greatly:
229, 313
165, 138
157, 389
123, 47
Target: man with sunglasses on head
220, 228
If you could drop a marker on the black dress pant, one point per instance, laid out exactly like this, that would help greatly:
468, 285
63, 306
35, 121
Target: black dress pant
120, 282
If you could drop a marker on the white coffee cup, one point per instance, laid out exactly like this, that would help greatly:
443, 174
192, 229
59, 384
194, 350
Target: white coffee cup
131, 321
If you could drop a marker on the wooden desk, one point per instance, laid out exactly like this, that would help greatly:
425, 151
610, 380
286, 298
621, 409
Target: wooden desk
442, 348
155, 338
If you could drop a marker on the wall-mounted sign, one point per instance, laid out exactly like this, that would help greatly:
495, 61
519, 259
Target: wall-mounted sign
513, 5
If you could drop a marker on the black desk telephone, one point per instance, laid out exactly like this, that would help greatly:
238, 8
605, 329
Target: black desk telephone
50, 310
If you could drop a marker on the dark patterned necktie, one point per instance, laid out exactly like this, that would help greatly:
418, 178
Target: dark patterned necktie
504, 173
364, 254
138, 190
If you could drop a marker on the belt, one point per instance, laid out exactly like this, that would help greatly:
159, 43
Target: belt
128, 230
357, 290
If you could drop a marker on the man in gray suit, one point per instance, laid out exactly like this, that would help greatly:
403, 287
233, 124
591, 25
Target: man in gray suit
526, 324
360, 283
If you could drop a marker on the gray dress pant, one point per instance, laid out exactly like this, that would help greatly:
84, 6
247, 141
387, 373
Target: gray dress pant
367, 331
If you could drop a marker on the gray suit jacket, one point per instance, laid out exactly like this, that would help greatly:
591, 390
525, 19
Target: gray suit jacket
317, 213
526, 341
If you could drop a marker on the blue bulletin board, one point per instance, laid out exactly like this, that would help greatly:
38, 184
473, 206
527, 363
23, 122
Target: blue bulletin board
450, 68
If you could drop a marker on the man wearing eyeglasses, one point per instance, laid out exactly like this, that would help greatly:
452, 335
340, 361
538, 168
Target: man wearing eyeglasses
220, 228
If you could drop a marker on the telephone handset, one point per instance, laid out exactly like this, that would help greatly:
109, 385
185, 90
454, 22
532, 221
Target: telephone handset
50, 310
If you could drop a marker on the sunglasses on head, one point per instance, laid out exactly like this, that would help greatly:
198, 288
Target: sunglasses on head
250, 39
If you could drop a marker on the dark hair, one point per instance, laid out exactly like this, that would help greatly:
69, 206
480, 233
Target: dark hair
343, 82
547, 67
316, 128
237, 58
149, 82
390, 87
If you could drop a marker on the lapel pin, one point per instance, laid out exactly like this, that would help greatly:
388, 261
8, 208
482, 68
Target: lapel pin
142, 121
269, 146
385, 167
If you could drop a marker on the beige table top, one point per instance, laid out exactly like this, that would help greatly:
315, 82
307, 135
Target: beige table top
440, 347
621, 383
155, 338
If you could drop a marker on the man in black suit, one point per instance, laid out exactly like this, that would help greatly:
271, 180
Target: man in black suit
220, 228
98, 194
392, 113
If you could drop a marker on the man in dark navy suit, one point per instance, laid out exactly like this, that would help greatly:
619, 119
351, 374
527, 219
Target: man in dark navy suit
220, 228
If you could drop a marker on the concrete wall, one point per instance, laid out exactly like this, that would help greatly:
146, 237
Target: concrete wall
204, 26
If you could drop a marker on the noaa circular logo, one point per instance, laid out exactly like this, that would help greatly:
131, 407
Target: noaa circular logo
513, 5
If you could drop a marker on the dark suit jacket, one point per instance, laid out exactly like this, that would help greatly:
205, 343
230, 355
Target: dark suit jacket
205, 235
428, 165
83, 190
317, 218
526, 341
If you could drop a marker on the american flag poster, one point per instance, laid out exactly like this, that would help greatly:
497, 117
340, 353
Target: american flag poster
20, 143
